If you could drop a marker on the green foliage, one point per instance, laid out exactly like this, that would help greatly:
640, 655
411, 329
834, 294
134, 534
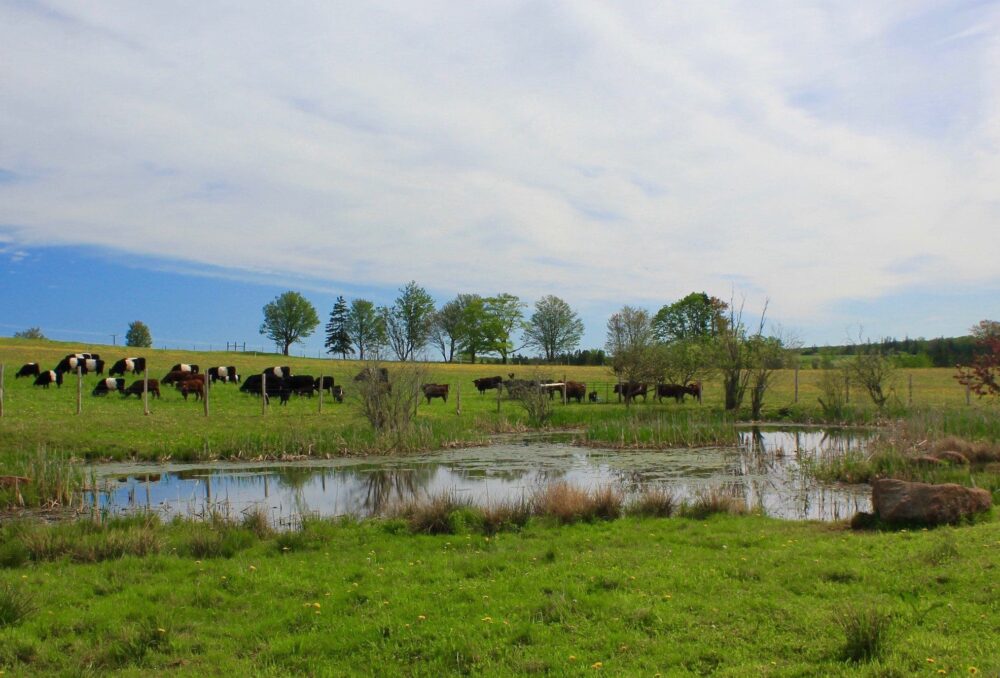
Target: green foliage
503, 314
696, 316
288, 319
16, 603
408, 322
30, 333
866, 632
873, 368
138, 335
365, 328
338, 338
553, 328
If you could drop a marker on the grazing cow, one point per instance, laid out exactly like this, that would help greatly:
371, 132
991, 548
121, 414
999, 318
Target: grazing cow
694, 389
69, 363
175, 377
49, 377
109, 385
486, 383
631, 390
195, 386
125, 365
88, 365
301, 384
136, 388
184, 367
435, 391
224, 374
338, 393
275, 387
675, 391
370, 374
575, 390
251, 384
278, 372
28, 370
327, 384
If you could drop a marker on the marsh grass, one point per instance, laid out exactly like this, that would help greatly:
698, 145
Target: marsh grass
16, 603
866, 632
711, 502
53, 480
653, 502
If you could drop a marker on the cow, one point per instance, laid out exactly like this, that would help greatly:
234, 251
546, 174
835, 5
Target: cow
300, 384
49, 377
184, 367
694, 389
109, 385
338, 393
592, 396
326, 385
175, 377
88, 365
251, 384
275, 387
435, 391
576, 390
125, 365
28, 370
675, 391
136, 388
195, 386
277, 372
631, 390
223, 373
69, 363
486, 383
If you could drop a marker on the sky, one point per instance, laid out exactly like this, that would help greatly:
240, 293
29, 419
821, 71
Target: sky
185, 163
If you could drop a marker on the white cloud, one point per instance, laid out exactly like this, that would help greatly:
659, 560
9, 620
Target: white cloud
813, 153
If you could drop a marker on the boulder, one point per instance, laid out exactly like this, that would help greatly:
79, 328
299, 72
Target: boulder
898, 501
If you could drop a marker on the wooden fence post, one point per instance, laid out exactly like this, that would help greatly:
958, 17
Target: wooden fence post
458, 400
79, 389
263, 393
321, 389
796, 383
1, 387
145, 391
847, 389
204, 396
909, 398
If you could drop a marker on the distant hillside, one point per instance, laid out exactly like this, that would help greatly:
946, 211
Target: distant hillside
940, 352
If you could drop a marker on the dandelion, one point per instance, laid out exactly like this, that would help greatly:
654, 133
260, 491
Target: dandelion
161, 630
253, 568
316, 605
930, 660
487, 619
572, 657
421, 617
597, 666
973, 670
942, 672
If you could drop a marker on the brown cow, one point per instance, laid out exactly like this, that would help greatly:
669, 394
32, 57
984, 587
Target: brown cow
136, 389
435, 391
193, 385
631, 390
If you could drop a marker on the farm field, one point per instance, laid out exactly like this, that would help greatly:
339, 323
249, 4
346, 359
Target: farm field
114, 428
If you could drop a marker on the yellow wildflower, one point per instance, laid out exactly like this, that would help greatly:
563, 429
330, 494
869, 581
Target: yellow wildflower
597, 665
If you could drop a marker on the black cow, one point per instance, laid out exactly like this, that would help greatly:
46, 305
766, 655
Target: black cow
109, 385
275, 387
223, 373
278, 372
338, 393
592, 396
486, 383
435, 391
251, 384
184, 367
28, 370
70, 362
632, 390
326, 385
136, 388
49, 377
675, 391
125, 365
300, 384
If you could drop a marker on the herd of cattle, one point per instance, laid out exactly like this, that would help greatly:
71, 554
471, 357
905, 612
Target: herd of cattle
279, 382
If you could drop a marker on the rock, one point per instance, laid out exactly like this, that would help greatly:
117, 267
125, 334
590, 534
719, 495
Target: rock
898, 501
952, 457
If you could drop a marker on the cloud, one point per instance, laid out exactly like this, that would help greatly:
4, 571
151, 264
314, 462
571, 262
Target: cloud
812, 153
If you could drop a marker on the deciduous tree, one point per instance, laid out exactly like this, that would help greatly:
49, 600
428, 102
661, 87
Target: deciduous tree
696, 316
138, 334
365, 329
553, 328
288, 319
503, 315
408, 321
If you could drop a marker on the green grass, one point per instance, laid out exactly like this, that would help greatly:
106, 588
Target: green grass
728, 596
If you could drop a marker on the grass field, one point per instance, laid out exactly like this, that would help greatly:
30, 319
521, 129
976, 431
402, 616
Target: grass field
113, 428
618, 597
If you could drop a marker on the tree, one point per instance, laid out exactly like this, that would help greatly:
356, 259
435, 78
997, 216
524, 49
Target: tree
982, 376
448, 327
365, 329
767, 354
138, 335
696, 316
733, 354
288, 319
30, 333
478, 329
338, 340
504, 313
554, 327
631, 346
685, 360
408, 321
873, 367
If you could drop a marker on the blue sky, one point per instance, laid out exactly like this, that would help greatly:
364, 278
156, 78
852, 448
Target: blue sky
185, 164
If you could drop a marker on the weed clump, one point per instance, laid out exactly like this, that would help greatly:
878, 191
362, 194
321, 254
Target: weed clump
15, 605
711, 502
568, 504
866, 633
654, 502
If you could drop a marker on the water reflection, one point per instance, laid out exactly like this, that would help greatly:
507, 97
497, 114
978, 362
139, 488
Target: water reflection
766, 470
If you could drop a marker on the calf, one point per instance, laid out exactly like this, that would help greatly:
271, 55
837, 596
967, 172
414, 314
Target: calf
223, 374
487, 383
49, 377
133, 365
109, 385
338, 393
184, 367
28, 370
435, 391
175, 377
136, 388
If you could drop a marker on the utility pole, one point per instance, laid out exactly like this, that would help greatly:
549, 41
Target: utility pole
114, 339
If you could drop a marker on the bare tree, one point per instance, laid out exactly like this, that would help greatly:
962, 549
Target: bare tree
872, 366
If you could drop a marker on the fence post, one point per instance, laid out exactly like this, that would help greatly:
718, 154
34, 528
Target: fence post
564, 388
499, 391
458, 400
145, 391
321, 389
968, 395
263, 393
607, 390
79, 389
909, 399
204, 396
847, 389
796, 383
1, 387
619, 390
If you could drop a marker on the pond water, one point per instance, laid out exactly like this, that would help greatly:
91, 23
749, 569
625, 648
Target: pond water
765, 470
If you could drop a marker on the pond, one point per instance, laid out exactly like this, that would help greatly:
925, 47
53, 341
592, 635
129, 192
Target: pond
766, 470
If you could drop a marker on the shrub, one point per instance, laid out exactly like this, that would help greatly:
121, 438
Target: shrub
865, 633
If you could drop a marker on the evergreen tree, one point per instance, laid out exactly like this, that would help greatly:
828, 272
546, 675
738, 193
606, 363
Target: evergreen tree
138, 335
338, 339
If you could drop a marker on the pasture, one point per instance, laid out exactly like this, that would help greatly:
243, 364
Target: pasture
113, 427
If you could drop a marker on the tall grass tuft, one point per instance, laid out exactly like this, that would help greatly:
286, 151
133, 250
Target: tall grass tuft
506, 515
710, 502
53, 480
15, 604
654, 502
866, 632
568, 504
443, 513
